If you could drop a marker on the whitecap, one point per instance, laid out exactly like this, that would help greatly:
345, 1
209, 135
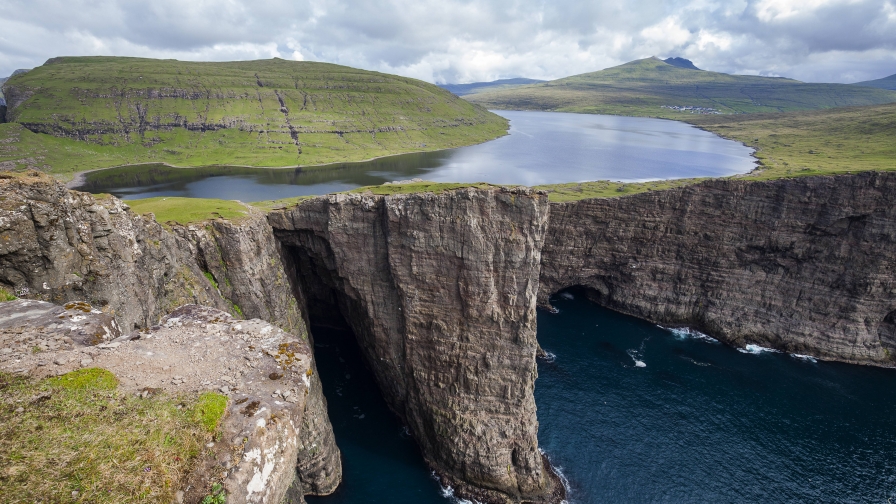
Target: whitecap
448, 492
683, 333
635, 357
756, 349
567, 295
807, 358
549, 357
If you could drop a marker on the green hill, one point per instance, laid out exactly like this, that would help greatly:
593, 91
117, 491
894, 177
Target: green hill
478, 87
91, 112
651, 87
884, 83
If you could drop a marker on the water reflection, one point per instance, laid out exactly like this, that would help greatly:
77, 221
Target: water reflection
542, 148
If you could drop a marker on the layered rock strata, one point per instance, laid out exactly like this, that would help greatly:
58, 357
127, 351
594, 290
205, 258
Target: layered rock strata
440, 291
64, 246
804, 265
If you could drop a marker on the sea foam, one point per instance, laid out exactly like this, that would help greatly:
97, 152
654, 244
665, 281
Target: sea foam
684, 333
756, 350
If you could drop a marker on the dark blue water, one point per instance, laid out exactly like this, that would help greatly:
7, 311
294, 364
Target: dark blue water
699, 422
542, 148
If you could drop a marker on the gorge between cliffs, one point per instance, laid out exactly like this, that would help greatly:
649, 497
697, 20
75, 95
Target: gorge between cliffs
441, 290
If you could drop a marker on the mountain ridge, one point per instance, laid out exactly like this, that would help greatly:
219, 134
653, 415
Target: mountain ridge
651, 87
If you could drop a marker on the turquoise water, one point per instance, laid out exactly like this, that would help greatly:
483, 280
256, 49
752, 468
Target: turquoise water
632, 412
542, 148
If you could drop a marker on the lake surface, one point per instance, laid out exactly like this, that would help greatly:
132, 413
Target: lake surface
542, 148
635, 413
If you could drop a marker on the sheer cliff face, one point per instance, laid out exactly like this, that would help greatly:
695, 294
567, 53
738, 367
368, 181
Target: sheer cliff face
806, 265
440, 291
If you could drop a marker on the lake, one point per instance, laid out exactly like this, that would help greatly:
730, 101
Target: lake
542, 148
635, 413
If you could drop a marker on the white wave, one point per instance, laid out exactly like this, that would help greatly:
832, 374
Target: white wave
448, 492
683, 333
559, 471
756, 349
566, 295
549, 356
636, 357
807, 358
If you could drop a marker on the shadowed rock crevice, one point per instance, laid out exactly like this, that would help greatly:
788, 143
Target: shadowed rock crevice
440, 293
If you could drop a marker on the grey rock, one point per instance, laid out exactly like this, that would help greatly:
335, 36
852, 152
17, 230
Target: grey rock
802, 265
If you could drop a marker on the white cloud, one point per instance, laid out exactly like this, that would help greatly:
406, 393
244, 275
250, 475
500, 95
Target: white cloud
470, 40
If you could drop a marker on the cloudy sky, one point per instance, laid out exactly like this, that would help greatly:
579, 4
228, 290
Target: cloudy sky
461, 41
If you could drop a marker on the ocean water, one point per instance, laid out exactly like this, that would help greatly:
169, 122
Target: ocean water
632, 412
542, 148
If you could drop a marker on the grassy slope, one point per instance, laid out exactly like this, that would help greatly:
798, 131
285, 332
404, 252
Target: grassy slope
188, 210
112, 111
479, 87
642, 87
884, 83
78, 433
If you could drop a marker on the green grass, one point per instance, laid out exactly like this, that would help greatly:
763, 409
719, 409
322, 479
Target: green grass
643, 87
209, 410
88, 378
5, 295
419, 187
188, 210
825, 142
78, 433
96, 112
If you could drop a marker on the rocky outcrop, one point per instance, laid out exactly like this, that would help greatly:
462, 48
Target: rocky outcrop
265, 372
440, 291
803, 265
63, 246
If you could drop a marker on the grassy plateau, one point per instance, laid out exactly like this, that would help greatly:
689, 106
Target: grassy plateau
76, 114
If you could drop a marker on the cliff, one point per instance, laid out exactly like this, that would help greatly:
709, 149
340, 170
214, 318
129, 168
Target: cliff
249, 113
62, 246
440, 291
802, 265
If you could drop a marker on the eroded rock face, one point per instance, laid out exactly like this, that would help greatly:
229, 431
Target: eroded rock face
805, 265
441, 291
65, 246
266, 372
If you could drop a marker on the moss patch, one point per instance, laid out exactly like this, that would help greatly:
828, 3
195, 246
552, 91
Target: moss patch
83, 379
188, 210
209, 410
78, 433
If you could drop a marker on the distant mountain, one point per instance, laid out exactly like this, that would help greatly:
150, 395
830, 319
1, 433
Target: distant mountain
885, 83
681, 63
478, 87
654, 88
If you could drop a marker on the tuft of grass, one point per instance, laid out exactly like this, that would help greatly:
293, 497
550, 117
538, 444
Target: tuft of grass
559, 193
188, 210
78, 433
209, 410
211, 279
83, 379
419, 187
5, 295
